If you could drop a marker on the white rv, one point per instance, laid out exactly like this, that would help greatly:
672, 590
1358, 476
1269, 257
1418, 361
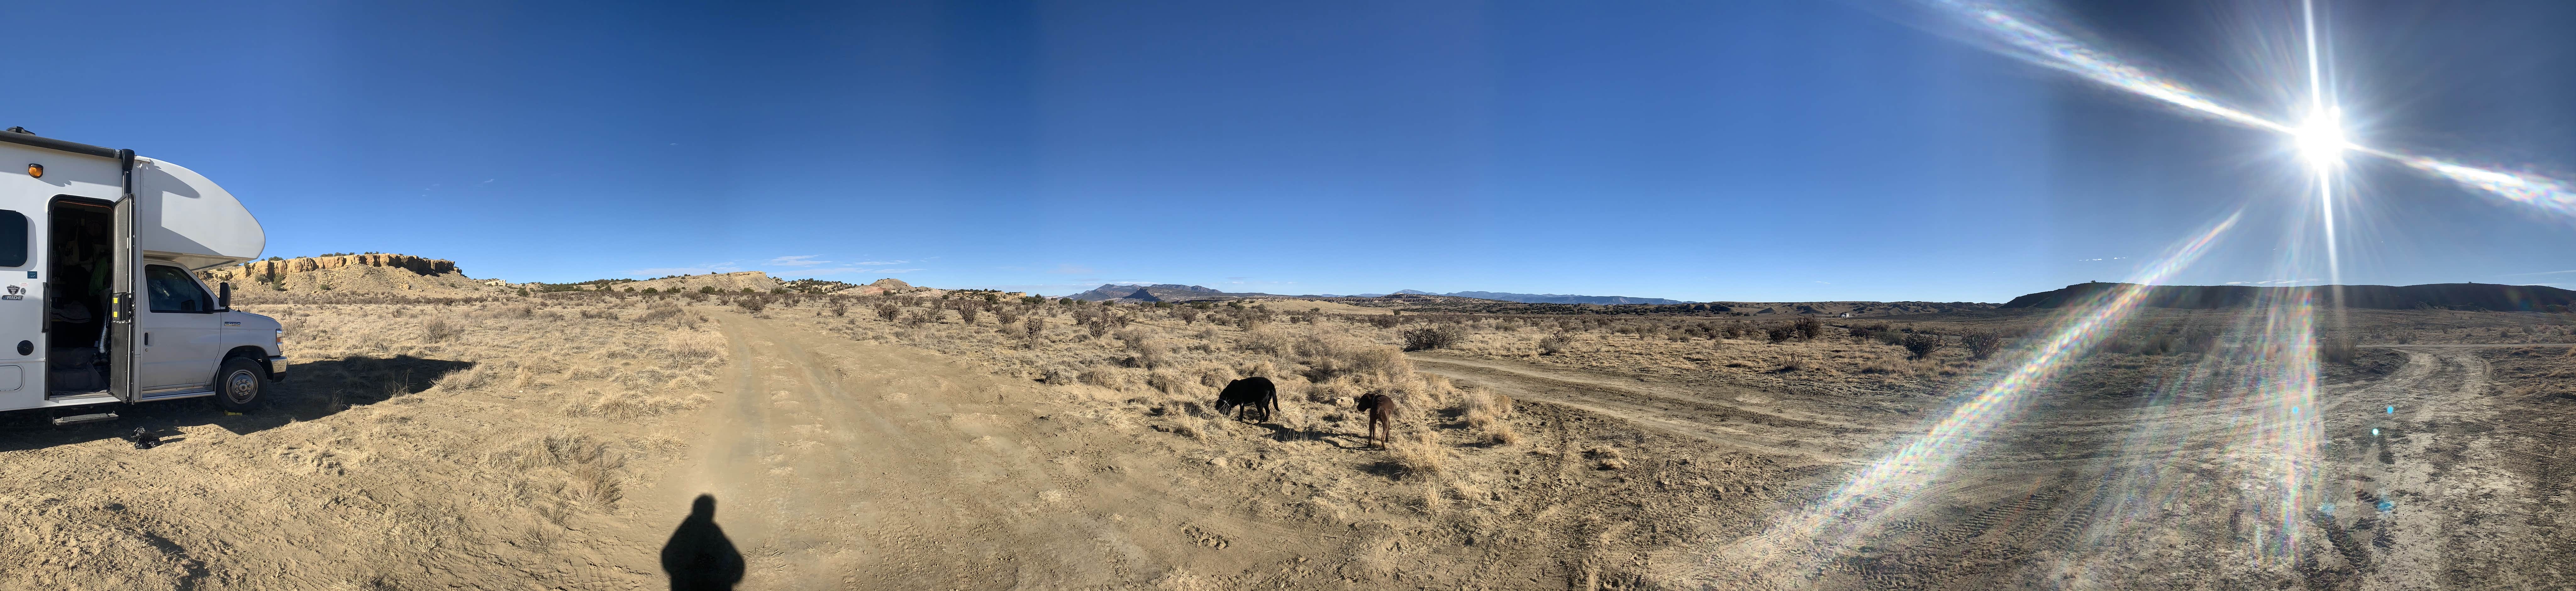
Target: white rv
99, 297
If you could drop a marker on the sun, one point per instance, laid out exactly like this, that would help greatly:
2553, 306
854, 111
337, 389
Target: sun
2321, 139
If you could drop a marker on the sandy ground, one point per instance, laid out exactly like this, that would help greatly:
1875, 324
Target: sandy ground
2131, 491
874, 466
564, 444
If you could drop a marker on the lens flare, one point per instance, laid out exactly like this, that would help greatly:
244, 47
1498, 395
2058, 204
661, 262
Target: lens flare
2540, 192
2030, 39
2047, 47
1793, 546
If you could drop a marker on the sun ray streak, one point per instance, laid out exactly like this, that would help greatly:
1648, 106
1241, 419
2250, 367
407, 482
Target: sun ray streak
1794, 546
2048, 47
2032, 40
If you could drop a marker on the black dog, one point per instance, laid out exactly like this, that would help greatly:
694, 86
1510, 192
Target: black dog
144, 439
1254, 393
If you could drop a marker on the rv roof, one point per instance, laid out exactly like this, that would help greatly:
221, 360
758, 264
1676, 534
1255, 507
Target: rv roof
181, 215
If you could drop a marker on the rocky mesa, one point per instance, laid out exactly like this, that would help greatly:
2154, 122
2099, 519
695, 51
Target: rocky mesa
386, 273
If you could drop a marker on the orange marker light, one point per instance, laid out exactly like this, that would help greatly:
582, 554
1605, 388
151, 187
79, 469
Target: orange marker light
36, 170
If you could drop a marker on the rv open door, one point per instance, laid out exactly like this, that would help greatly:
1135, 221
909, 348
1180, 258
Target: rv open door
121, 329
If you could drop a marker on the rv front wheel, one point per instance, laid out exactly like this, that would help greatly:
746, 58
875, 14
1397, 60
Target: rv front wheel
240, 386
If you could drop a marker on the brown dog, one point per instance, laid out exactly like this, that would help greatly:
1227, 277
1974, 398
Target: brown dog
1381, 413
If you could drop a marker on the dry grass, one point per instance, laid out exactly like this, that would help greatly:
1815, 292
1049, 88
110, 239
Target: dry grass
409, 427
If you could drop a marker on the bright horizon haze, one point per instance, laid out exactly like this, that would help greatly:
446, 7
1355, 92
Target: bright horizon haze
1757, 151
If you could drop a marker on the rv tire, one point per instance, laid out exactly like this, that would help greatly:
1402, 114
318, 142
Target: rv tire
240, 386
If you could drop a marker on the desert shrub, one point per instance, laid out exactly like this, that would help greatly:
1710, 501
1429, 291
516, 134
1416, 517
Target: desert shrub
1807, 327
1214, 375
1167, 382
966, 312
1105, 378
752, 305
1433, 337
1382, 321
1266, 342
707, 289
839, 308
1982, 344
1328, 359
1418, 456
1780, 334
1862, 333
438, 328
658, 313
2201, 340
1186, 314
923, 318
1553, 344
888, 311
2338, 349
1922, 345
1035, 327
1482, 408
2161, 344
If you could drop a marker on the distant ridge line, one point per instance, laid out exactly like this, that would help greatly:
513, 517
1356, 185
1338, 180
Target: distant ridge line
2456, 296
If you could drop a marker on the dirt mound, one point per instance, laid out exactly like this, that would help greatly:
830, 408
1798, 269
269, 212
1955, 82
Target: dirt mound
364, 273
755, 280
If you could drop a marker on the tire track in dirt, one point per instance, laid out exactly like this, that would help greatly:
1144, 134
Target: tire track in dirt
2098, 481
2460, 488
1769, 432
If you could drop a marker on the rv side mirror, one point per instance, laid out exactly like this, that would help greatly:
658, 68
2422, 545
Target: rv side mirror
224, 296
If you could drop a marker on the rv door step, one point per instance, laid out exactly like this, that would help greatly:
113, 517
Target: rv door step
59, 397
87, 418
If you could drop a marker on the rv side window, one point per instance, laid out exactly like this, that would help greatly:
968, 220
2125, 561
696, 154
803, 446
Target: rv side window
13, 238
173, 290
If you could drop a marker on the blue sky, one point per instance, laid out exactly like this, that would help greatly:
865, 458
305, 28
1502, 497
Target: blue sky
1760, 151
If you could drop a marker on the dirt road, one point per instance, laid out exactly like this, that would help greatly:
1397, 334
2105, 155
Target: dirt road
839, 464
2155, 487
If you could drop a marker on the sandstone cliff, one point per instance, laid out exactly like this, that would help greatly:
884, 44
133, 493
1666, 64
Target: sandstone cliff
359, 273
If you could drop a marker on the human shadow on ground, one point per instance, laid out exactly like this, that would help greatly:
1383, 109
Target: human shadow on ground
311, 391
699, 557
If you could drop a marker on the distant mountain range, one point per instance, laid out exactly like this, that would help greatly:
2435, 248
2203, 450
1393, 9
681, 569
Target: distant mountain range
1547, 298
1168, 292
1176, 292
2456, 296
